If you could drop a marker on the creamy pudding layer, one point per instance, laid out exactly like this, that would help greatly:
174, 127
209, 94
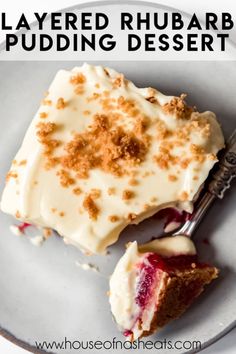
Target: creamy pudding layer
101, 153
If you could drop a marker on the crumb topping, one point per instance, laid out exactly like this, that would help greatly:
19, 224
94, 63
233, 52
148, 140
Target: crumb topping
65, 179
178, 107
111, 191
111, 149
11, 174
91, 207
95, 193
77, 191
131, 217
44, 132
172, 178
152, 96
119, 81
46, 102
22, 163
128, 194
120, 137
45, 129
61, 103
133, 182
87, 112
113, 218
47, 232
153, 199
79, 90
184, 196
17, 214
212, 157
43, 115
78, 79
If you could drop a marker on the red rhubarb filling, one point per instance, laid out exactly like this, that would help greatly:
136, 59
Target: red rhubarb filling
23, 226
148, 275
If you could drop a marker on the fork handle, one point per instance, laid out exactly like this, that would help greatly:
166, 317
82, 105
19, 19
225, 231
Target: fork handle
220, 182
226, 172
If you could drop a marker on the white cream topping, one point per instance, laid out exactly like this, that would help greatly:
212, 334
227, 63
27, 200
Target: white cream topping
123, 282
170, 246
35, 195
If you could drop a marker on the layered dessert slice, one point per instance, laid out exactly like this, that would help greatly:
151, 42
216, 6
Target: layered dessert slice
101, 153
155, 283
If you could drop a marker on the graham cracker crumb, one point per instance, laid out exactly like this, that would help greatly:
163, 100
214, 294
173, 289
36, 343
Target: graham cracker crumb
77, 191
133, 182
78, 79
153, 199
131, 217
65, 179
43, 115
119, 81
178, 107
162, 130
46, 102
87, 112
106, 93
184, 163
91, 207
113, 218
47, 232
212, 157
111, 150
172, 178
198, 153
128, 194
106, 72
163, 159
152, 100
61, 103
11, 174
45, 129
111, 191
79, 90
17, 214
183, 196
141, 125
22, 162
61, 214
95, 193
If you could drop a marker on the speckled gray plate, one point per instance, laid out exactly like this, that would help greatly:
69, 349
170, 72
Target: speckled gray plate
44, 296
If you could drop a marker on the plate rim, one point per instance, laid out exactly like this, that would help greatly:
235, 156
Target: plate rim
6, 333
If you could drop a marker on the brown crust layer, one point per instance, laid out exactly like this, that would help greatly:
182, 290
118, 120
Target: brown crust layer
180, 290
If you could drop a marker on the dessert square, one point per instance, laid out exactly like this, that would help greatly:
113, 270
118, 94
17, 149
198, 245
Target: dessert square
102, 153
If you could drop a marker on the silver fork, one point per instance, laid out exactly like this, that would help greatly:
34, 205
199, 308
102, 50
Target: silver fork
220, 181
